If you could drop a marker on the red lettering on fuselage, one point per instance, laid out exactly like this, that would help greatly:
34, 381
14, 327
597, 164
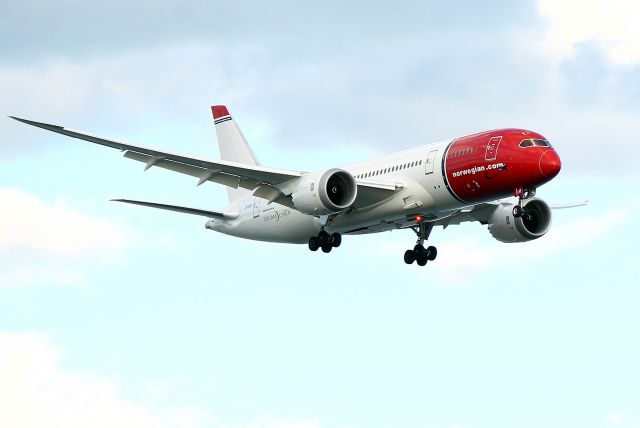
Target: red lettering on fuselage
490, 165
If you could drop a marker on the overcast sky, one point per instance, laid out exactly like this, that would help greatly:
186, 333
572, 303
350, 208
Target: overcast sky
114, 315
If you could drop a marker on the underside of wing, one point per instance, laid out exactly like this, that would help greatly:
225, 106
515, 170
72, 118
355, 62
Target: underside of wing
370, 193
479, 213
482, 212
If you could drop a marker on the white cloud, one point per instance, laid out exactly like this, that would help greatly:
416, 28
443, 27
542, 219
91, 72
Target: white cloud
35, 392
54, 229
612, 24
269, 421
623, 419
41, 241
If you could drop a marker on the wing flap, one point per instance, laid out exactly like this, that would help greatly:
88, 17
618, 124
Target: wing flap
202, 174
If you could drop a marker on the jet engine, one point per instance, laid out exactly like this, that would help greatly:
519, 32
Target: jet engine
324, 192
534, 222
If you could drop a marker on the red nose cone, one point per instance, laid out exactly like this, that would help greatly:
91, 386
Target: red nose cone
550, 163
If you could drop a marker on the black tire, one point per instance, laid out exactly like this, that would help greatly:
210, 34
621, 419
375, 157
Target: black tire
335, 240
421, 259
314, 244
326, 248
432, 253
517, 211
409, 257
418, 249
323, 238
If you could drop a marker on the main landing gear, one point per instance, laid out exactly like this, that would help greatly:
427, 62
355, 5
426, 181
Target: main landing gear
522, 193
325, 241
419, 254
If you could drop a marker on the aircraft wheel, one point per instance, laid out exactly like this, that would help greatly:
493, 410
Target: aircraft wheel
335, 239
517, 211
432, 253
421, 259
314, 244
323, 237
418, 249
326, 248
409, 257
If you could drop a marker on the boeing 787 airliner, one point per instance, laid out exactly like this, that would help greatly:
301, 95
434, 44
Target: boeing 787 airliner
490, 177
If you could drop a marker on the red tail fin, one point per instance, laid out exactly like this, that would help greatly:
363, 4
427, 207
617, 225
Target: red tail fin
219, 111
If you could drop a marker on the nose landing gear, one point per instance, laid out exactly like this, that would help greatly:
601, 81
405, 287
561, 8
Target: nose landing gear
522, 193
419, 254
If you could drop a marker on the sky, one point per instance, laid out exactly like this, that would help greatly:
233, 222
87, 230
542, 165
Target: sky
115, 315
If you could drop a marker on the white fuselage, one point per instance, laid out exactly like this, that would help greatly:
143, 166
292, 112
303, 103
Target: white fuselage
417, 172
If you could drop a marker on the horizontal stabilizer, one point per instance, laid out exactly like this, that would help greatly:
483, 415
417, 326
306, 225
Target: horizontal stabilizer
176, 208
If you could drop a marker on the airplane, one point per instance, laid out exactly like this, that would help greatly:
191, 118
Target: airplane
490, 177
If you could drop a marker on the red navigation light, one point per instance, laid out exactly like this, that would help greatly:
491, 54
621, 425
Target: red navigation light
418, 218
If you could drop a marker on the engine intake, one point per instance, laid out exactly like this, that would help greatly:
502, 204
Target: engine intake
324, 192
533, 224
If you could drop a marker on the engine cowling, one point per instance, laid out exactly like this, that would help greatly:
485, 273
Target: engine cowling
324, 192
533, 224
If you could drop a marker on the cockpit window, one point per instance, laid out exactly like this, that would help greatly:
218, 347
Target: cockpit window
534, 142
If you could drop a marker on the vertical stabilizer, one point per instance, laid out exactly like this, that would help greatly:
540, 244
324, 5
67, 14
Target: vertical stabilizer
233, 145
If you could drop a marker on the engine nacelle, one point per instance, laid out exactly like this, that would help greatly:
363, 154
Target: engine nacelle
324, 192
534, 223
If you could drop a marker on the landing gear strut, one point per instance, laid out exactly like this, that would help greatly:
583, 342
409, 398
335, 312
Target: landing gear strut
419, 254
522, 193
325, 241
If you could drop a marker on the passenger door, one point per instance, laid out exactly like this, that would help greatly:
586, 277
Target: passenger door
428, 167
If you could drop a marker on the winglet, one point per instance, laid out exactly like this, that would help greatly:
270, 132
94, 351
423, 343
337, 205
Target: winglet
219, 111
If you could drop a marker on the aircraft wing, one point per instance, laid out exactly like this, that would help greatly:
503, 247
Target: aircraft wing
197, 167
482, 212
265, 181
